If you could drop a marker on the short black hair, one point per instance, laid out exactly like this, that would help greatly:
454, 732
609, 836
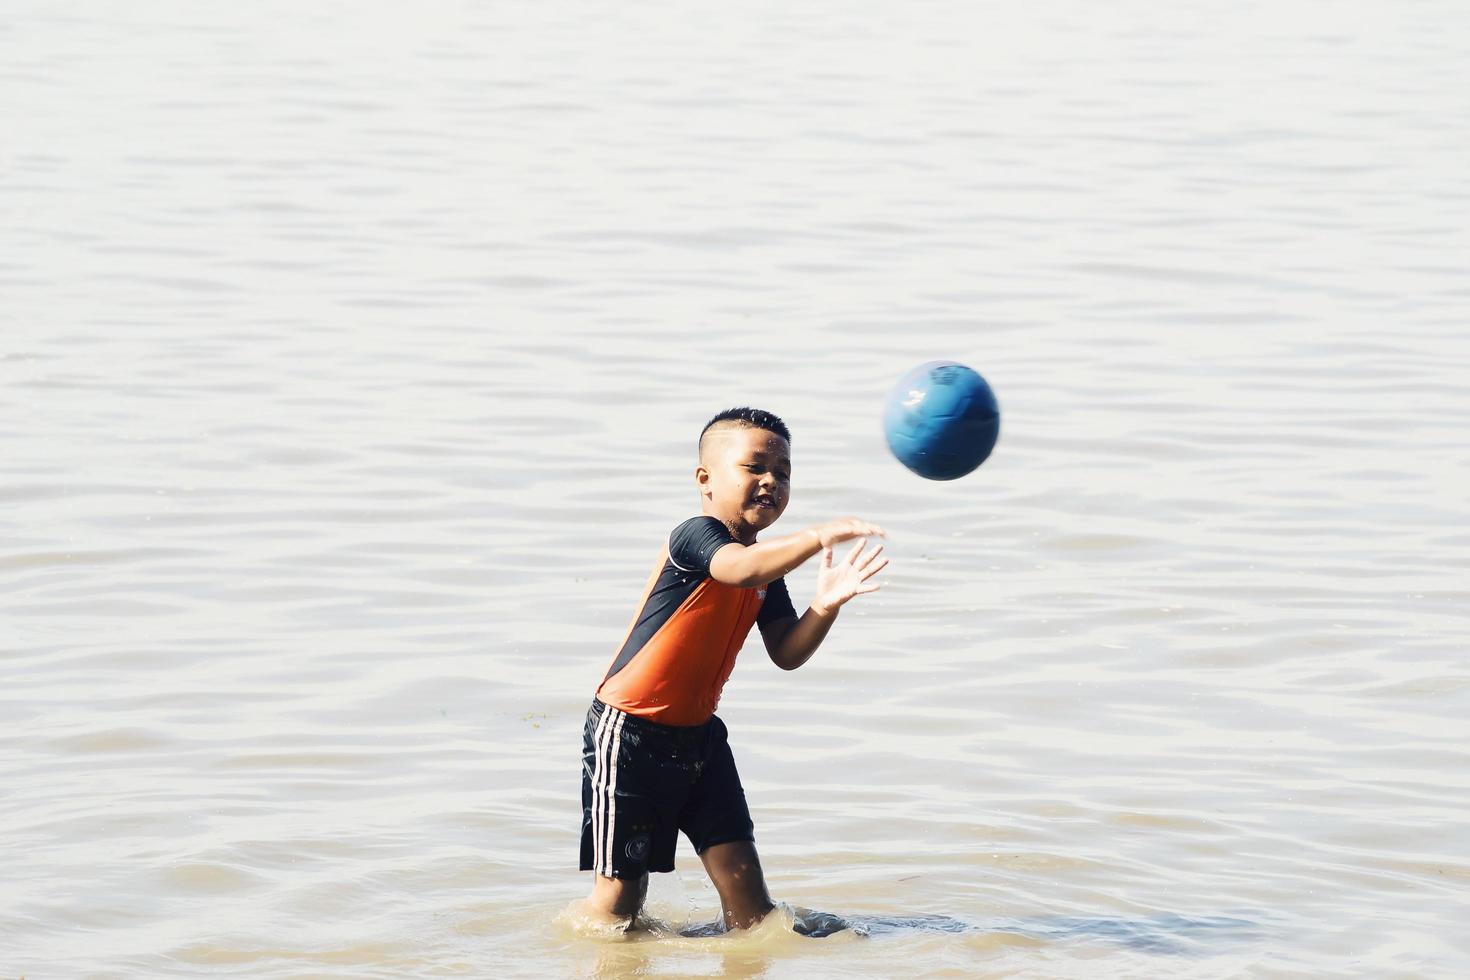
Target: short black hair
753, 418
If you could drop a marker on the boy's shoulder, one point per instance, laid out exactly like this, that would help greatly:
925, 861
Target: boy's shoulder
693, 542
701, 523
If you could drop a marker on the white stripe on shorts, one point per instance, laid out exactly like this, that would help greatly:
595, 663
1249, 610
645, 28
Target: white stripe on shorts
612, 788
599, 776
604, 785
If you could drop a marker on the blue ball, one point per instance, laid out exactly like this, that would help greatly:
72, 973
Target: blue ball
941, 420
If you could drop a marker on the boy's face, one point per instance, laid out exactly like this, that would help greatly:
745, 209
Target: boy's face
744, 476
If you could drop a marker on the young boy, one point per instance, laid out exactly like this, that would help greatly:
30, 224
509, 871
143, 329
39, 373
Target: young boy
655, 760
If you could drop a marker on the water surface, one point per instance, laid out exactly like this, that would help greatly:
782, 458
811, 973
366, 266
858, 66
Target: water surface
351, 361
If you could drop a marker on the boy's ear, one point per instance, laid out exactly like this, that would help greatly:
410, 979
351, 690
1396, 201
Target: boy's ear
701, 480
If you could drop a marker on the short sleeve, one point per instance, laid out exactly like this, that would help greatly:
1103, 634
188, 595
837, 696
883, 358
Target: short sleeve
693, 543
777, 604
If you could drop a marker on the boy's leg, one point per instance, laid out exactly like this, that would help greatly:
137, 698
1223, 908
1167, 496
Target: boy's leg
717, 822
735, 869
630, 794
618, 899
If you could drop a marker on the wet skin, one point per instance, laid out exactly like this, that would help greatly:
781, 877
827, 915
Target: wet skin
744, 479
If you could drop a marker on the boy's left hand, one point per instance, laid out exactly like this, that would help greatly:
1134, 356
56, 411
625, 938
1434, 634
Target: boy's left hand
838, 583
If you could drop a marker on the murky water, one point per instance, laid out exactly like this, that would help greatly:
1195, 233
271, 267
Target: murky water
350, 366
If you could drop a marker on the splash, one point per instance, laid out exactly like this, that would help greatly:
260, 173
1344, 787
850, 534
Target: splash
783, 920
789, 925
585, 922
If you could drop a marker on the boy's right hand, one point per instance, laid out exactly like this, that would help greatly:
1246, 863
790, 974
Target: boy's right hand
845, 529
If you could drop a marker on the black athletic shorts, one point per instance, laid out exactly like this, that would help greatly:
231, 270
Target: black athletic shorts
643, 782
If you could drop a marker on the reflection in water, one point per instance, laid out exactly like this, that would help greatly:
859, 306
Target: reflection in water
618, 960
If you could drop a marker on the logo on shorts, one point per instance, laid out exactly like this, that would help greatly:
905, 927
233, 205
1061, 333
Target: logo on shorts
637, 848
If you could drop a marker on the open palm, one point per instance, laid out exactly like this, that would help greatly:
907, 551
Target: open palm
839, 582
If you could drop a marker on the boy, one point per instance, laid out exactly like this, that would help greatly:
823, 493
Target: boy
655, 759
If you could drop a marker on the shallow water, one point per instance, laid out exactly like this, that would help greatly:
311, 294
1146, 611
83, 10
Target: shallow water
350, 366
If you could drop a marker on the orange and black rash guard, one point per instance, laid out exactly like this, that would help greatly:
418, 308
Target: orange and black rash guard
681, 645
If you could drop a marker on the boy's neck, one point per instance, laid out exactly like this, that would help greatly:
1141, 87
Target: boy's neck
739, 530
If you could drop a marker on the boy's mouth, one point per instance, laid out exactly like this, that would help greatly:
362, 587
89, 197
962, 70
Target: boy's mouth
763, 500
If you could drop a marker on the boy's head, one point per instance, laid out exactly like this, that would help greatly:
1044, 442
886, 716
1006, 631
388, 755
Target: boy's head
744, 472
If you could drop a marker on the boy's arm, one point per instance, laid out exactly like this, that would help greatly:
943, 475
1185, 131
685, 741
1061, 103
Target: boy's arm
764, 562
791, 642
